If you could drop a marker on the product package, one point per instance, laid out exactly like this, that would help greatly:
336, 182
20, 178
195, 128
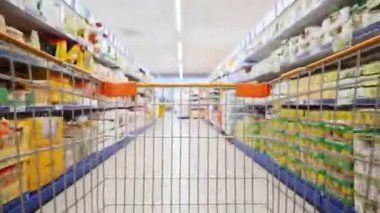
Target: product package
367, 171
10, 182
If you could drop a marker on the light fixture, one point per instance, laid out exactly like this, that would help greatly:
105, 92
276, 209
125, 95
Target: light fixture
178, 15
180, 68
179, 51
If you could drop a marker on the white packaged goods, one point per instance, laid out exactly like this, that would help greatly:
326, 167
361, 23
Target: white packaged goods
372, 3
83, 132
370, 17
367, 175
3, 26
52, 10
364, 144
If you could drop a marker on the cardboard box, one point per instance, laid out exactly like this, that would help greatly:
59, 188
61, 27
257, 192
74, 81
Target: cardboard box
9, 142
10, 182
44, 167
362, 184
84, 138
46, 131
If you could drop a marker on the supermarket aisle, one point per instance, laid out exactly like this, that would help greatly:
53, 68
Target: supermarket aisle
177, 166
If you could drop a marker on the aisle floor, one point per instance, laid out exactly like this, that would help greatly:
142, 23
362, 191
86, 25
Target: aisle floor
178, 166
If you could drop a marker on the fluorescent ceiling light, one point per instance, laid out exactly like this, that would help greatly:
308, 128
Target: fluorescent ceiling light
178, 15
179, 51
180, 68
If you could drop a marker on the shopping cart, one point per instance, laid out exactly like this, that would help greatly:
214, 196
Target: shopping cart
311, 146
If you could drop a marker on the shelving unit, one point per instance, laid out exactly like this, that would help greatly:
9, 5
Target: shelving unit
310, 132
71, 175
27, 20
313, 16
48, 102
255, 50
311, 123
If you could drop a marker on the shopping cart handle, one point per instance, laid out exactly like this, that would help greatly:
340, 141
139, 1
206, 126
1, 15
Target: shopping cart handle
253, 90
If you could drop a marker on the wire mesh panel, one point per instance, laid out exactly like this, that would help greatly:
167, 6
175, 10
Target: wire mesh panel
312, 146
184, 164
55, 127
322, 126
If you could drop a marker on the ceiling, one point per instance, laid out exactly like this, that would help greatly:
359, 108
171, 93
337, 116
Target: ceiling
211, 29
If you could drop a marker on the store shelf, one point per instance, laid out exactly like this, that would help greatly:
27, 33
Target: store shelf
27, 21
315, 16
54, 108
43, 60
300, 61
22, 57
361, 102
31, 200
257, 48
359, 36
311, 193
307, 58
366, 33
134, 77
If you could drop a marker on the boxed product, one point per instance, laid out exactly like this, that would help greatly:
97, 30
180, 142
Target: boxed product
10, 182
330, 76
51, 88
344, 37
21, 98
367, 171
52, 10
365, 144
14, 33
33, 40
83, 139
340, 187
3, 25
371, 69
364, 205
12, 136
368, 117
370, 17
45, 131
372, 3
332, 26
44, 95
313, 36
44, 167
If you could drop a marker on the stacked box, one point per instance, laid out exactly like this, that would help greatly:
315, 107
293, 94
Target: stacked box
367, 171
319, 152
44, 166
82, 137
10, 180
13, 171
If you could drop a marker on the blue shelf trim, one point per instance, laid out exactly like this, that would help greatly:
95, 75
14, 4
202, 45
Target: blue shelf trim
20, 57
364, 102
314, 196
54, 108
31, 200
358, 36
367, 32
